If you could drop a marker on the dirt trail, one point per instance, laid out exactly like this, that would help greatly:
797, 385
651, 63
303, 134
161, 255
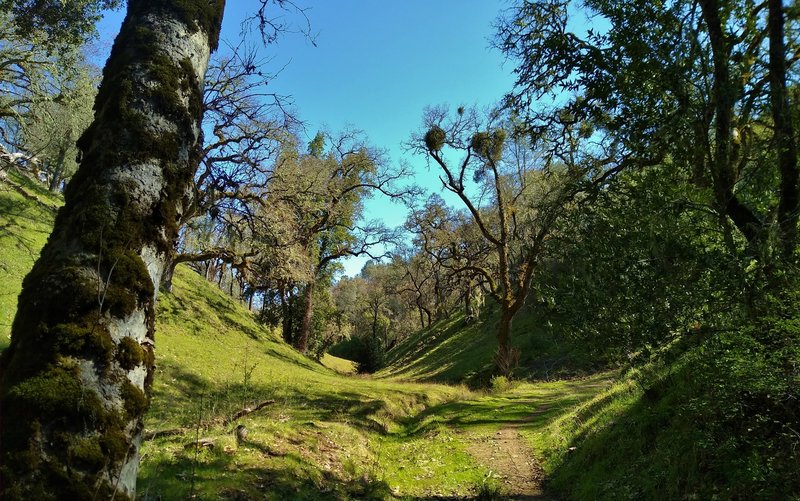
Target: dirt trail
507, 455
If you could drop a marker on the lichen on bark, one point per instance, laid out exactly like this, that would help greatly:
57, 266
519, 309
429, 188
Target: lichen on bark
75, 381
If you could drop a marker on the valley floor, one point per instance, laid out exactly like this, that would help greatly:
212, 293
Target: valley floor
469, 446
323, 434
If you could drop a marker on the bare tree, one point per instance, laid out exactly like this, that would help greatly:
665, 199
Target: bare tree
248, 125
510, 202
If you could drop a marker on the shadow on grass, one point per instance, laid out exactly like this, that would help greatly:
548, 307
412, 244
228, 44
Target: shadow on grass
446, 351
227, 474
687, 435
20, 219
276, 476
184, 396
520, 410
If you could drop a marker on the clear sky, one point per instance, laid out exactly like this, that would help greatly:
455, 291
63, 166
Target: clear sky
376, 65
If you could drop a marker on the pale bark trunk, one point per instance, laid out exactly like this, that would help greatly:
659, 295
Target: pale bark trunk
55, 180
77, 375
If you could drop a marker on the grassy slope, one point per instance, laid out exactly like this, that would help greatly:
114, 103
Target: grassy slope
331, 437
24, 228
323, 432
326, 436
452, 351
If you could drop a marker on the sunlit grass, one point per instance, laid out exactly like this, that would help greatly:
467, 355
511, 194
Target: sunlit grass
327, 433
24, 228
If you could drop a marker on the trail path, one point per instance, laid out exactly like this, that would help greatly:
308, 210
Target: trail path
506, 454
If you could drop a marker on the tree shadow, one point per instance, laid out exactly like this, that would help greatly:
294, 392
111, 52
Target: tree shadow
521, 411
21, 219
277, 475
223, 308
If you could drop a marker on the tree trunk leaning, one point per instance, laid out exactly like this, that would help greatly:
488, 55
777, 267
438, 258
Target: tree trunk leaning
75, 381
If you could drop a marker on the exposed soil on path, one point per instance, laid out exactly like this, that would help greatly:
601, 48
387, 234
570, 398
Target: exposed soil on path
510, 459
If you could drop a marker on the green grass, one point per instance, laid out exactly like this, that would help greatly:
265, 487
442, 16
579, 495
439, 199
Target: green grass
327, 435
452, 351
661, 431
24, 228
340, 365
323, 434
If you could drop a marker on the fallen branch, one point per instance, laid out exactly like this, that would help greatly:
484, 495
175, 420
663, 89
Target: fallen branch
246, 411
151, 434
208, 443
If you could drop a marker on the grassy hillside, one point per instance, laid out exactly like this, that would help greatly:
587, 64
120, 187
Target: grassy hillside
325, 437
322, 435
25, 223
453, 351
652, 433
321, 432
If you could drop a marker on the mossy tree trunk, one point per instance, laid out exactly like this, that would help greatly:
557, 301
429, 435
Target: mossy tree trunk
77, 375
287, 314
304, 333
507, 357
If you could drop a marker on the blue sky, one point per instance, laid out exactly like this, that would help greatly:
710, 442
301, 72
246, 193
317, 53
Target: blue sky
375, 67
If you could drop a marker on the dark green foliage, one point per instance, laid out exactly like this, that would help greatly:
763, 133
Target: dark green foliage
69, 23
640, 265
368, 352
714, 420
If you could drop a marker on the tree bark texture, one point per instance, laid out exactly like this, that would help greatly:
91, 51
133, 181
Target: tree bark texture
287, 315
506, 358
784, 131
301, 342
75, 381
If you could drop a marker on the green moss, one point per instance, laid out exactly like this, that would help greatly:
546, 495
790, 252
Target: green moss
129, 354
67, 289
134, 400
149, 359
128, 282
115, 445
120, 97
86, 451
205, 16
102, 228
88, 338
55, 390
